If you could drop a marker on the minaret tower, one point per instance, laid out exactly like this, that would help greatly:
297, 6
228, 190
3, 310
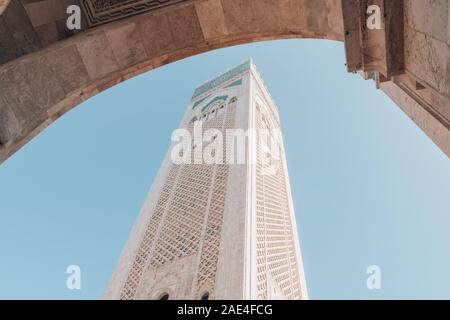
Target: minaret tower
220, 229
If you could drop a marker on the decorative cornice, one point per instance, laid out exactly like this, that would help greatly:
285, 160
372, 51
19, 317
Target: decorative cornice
99, 12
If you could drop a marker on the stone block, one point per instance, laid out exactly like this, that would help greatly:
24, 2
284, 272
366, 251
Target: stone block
429, 17
127, 44
45, 11
238, 16
212, 19
17, 36
426, 58
97, 55
69, 68
156, 34
185, 26
293, 15
30, 88
9, 125
352, 34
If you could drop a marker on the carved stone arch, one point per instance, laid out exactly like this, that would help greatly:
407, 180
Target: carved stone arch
167, 282
215, 105
205, 288
193, 120
158, 294
44, 75
264, 109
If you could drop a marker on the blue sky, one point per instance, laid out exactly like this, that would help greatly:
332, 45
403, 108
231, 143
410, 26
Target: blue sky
369, 187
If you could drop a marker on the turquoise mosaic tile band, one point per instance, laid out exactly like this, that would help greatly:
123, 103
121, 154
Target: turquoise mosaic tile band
222, 79
235, 84
197, 103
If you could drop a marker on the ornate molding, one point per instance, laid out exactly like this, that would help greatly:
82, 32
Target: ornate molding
100, 12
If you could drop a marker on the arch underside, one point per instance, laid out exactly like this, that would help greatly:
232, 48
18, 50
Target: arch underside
37, 88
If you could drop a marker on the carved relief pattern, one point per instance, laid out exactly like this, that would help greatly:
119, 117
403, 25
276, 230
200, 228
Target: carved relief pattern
139, 264
275, 251
211, 244
182, 227
104, 11
187, 220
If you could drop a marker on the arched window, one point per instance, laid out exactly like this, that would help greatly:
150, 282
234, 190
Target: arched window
164, 296
205, 296
193, 120
220, 109
233, 100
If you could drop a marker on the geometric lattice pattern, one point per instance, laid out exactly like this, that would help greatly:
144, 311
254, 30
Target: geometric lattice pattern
146, 244
104, 11
276, 257
187, 219
211, 243
181, 231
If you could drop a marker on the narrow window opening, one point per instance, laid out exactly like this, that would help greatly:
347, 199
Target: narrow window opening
164, 296
205, 296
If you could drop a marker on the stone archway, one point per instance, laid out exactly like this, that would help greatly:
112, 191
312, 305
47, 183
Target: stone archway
46, 70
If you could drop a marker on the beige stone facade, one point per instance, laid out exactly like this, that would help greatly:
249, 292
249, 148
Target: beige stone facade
225, 230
